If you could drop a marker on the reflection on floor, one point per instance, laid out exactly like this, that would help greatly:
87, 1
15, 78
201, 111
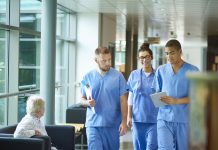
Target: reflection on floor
126, 141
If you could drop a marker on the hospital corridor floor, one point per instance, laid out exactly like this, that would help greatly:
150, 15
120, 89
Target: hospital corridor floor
126, 141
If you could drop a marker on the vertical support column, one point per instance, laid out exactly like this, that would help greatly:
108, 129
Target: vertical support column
48, 54
13, 61
135, 51
128, 53
131, 52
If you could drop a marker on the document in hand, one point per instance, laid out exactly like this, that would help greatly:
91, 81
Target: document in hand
156, 99
88, 91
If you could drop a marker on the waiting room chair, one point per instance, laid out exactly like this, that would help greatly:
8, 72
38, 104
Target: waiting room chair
55, 132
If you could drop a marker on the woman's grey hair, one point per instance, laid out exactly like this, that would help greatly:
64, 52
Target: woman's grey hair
34, 104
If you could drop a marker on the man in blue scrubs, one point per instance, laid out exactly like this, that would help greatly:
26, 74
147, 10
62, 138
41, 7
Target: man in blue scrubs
108, 97
142, 114
172, 120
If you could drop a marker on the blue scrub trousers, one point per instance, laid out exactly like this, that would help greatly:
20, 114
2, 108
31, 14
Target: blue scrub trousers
144, 136
103, 138
172, 135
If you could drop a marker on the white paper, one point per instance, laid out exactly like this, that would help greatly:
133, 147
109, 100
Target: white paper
89, 95
156, 99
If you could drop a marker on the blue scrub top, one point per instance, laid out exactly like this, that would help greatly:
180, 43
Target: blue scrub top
106, 91
143, 109
175, 85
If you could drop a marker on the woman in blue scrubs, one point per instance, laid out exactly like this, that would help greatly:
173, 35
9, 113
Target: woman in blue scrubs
142, 114
172, 120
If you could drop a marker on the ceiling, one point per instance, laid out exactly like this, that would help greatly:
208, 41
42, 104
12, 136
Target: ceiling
188, 20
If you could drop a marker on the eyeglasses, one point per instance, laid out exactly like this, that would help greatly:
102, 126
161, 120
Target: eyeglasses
145, 57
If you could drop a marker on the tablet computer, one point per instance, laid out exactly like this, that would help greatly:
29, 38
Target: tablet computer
156, 99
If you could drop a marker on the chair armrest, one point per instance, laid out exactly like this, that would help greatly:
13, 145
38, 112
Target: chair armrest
8, 129
62, 136
6, 135
47, 140
11, 143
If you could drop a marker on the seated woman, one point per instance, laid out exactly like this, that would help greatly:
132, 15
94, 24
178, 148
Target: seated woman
31, 124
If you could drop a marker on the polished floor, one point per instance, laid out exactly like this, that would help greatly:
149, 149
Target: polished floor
126, 141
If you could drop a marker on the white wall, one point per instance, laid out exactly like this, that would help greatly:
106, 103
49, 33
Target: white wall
195, 56
88, 31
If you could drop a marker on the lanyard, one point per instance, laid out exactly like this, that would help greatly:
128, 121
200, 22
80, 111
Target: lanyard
140, 86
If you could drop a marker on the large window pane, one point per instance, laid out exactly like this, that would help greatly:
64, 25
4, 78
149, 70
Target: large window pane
2, 60
159, 56
3, 79
30, 14
66, 27
61, 80
62, 19
3, 11
120, 55
72, 29
29, 61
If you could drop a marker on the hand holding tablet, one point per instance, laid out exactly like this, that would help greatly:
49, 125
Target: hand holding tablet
156, 99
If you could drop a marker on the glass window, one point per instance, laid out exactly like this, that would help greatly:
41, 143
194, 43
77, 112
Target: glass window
120, 55
66, 27
3, 50
29, 55
2, 60
61, 80
66, 24
3, 11
72, 32
159, 57
29, 64
62, 19
30, 14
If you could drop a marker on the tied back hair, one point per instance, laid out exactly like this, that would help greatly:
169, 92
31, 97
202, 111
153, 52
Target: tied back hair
145, 47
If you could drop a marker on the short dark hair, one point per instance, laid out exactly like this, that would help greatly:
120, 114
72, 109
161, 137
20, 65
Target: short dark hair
102, 50
145, 47
174, 43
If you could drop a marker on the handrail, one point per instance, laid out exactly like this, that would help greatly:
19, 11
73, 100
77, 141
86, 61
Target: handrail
18, 93
23, 92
